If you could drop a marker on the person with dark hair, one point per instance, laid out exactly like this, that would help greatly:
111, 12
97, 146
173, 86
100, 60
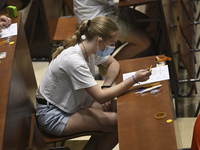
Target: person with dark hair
69, 100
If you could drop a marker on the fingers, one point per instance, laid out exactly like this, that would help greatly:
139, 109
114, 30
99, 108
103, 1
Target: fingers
8, 21
1, 25
5, 20
142, 75
107, 106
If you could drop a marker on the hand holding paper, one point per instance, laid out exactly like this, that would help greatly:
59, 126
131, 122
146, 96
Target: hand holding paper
142, 75
157, 74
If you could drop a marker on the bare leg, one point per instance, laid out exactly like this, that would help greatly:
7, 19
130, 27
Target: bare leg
94, 119
138, 40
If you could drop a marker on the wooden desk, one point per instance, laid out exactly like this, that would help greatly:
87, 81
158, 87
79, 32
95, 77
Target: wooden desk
160, 34
17, 94
138, 129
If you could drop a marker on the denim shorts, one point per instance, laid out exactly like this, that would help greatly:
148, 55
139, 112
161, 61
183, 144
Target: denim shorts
51, 119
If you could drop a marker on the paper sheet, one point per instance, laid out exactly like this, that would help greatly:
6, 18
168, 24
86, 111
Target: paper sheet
3, 55
9, 31
158, 74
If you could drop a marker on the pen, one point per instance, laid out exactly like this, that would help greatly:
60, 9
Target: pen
150, 67
150, 85
148, 89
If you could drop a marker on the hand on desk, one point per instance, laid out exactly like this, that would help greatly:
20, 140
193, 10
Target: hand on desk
4, 21
142, 75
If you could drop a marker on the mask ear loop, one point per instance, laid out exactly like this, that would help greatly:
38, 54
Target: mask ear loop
104, 43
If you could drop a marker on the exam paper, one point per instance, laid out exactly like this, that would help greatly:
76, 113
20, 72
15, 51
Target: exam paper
9, 31
158, 74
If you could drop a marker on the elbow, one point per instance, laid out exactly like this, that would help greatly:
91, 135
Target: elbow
101, 98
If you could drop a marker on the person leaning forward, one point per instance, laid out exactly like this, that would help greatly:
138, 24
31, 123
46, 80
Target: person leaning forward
69, 100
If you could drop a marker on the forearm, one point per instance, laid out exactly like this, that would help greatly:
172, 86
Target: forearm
112, 73
107, 94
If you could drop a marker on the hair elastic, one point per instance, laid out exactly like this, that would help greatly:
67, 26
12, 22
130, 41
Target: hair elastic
88, 23
64, 46
83, 37
160, 115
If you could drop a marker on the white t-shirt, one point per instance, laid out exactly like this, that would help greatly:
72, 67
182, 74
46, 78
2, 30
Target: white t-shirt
66, 77
89, 9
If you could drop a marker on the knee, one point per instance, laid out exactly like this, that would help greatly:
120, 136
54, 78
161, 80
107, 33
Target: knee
109, 124
145, 41
113, 124
140, 38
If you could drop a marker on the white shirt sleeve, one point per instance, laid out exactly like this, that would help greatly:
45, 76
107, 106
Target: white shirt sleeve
100, 60
82, 78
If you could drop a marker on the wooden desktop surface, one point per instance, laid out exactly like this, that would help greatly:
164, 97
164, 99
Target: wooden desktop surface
17, 94
138, 128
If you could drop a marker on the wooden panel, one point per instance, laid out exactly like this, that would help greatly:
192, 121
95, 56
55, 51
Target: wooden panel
59, 28
5, 80
187, 28
69, 4
187, 57
137, 127
17, 94
65, 28
51, 12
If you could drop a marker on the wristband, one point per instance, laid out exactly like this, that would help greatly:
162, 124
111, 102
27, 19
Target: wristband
135, 79
105, 86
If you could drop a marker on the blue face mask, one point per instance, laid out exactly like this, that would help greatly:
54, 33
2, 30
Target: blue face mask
108, 50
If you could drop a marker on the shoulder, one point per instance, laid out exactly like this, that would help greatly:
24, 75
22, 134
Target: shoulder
72, 57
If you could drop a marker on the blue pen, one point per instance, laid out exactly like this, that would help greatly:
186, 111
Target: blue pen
148, 89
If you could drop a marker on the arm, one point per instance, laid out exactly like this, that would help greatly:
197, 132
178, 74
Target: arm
113, 69
108, 94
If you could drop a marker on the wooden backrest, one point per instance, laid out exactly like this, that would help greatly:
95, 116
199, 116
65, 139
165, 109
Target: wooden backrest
58, 28
185, 16
69, 4
184, 40
51, 10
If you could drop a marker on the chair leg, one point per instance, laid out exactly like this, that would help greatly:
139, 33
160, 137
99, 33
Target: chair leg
59, 148
197, 111
62, 147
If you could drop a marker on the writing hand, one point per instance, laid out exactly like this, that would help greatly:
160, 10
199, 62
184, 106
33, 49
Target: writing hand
142, 75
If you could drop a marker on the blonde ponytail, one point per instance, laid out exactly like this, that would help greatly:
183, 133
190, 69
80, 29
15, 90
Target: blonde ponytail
57, 52
99, 26
72, 40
